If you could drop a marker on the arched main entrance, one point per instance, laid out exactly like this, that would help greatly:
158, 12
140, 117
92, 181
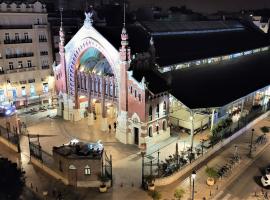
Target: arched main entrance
93, 82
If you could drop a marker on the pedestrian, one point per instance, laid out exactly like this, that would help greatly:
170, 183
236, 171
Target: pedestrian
54, 192
110, 128
114, 125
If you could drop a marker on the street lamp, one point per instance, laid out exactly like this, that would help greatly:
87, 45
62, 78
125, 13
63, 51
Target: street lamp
143, 152
193, 176
235, 151
251, 143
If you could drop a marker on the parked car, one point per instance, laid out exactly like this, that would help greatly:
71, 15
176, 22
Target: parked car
265, 179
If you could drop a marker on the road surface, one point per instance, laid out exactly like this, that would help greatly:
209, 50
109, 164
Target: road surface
248, 182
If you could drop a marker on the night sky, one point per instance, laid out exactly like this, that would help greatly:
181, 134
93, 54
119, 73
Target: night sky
206, 5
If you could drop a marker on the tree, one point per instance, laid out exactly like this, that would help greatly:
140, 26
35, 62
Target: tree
179, 193
156, 195
265, 129
12, 180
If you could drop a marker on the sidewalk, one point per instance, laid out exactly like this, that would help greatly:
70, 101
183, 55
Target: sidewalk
201, 188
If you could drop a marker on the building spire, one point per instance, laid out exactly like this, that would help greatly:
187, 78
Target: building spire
124, 21
124, 50
61, 32
61, 17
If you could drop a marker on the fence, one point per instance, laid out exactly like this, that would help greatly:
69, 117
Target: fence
165, 163
107, 165
11, 137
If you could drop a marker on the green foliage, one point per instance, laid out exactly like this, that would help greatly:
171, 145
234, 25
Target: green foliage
265, 129
222, 124
103, 178
211, 172
179, 193
156, 195
12, 180
150, 179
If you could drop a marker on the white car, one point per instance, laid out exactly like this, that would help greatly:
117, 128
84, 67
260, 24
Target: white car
266, 178
265, 181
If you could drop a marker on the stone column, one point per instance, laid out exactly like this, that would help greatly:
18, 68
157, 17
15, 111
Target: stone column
90, 121
104, 119
76, 108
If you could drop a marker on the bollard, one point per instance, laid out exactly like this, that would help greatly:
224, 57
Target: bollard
217, 187
36, 189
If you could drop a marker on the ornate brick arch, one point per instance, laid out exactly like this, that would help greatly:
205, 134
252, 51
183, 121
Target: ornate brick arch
75, 58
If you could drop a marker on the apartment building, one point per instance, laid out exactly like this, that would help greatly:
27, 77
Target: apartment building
25, 54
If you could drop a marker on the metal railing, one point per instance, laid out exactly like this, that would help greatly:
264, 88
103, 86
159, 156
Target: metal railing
19, 41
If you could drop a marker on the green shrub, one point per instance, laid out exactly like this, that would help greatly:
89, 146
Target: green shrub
211, 172
265, 129
156, 195
179, 193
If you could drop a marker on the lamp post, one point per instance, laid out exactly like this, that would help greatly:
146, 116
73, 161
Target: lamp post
235, 151
251, 143
193, 176
202, 143
143, 152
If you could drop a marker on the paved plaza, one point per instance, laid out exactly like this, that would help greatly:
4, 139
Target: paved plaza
54, 131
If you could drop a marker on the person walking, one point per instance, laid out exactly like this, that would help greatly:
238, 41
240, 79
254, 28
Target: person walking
114, 125
110, 127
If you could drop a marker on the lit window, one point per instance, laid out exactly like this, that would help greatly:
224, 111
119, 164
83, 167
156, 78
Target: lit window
10, 65
164, 108
20, 65
32, 90
87, 170
150, 113
45, 88
17, 37
157, 111
23, 91
26, 36
29, 63
150, 131
7, 36
2, 95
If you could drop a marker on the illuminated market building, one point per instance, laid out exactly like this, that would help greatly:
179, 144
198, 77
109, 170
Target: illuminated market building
152, 74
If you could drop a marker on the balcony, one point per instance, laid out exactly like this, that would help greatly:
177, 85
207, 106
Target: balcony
45, 67
42, 40
23, 69
21, 41
44, 53
21, 55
